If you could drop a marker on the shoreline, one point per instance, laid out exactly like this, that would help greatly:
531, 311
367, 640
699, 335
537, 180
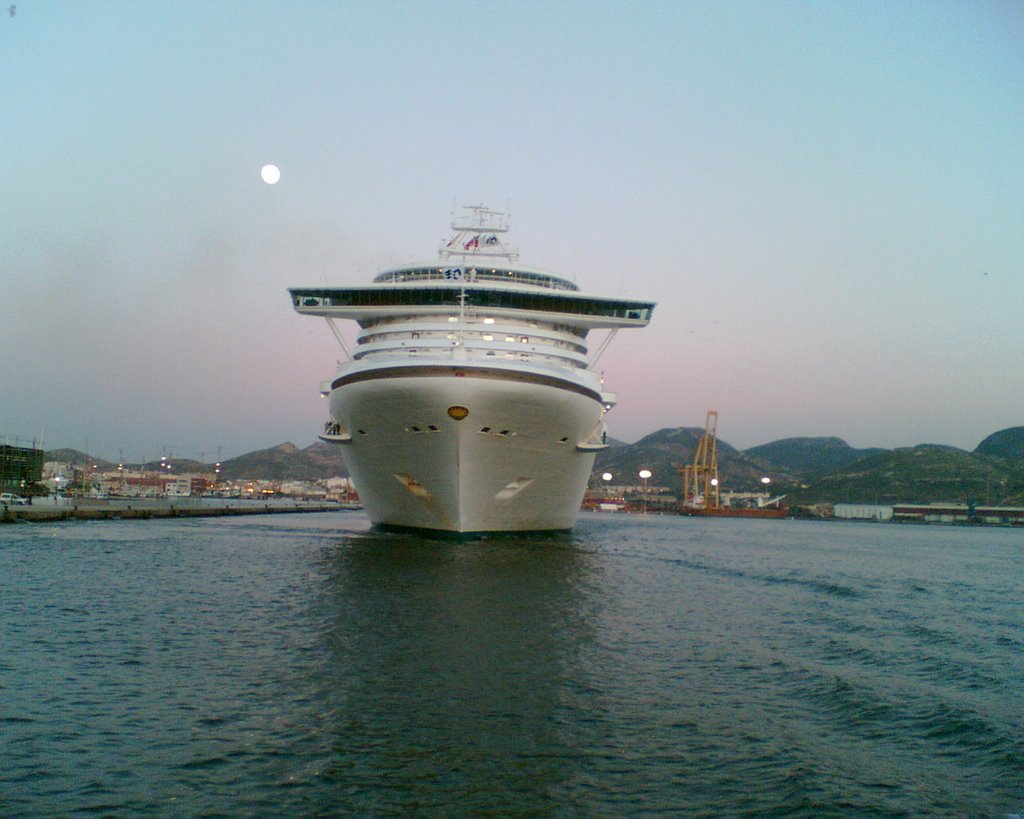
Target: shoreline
148, 508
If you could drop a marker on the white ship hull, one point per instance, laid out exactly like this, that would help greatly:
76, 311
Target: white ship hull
470, 401
517, 461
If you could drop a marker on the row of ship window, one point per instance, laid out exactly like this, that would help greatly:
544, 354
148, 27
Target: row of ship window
492, 299
561, 360
393, 323
377, 337
336, 428
503, 433
475, 274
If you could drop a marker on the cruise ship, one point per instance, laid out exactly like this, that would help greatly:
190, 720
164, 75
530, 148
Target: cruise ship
470, 402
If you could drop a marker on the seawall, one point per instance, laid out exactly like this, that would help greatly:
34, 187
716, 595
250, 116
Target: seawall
146, 508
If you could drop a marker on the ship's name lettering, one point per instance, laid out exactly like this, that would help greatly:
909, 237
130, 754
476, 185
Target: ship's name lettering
453, 273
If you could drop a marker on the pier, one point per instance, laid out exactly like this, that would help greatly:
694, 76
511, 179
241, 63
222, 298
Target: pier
50, 509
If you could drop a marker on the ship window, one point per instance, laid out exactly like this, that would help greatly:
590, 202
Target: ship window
510, 338
372, 297
488, 337
452, 319
524, 339
415, 335
488, 321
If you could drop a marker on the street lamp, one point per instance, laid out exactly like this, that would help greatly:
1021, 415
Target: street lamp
644, 475
765, 481
607, 477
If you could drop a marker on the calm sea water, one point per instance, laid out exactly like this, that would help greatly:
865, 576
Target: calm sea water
641, 665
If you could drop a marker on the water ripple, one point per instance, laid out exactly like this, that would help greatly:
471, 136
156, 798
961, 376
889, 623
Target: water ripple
656, 666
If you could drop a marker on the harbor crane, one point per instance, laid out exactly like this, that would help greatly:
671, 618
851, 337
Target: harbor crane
700, 479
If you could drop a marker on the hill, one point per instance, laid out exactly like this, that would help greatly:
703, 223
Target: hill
76, 458
282, 462
288, 462
809, 457
920, 474
808, 470
180, 465
657, 452
1007, 443
665, 450
828, 470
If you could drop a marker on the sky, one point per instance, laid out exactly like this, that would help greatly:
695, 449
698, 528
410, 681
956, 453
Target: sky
825, 199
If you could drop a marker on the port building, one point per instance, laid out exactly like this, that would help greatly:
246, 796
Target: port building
862, 511
20, 467
931, 513
957, 513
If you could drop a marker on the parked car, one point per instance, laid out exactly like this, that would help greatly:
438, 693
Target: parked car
10, 498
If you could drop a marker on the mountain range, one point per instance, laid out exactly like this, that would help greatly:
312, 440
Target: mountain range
806, 470
284, 462
814, 470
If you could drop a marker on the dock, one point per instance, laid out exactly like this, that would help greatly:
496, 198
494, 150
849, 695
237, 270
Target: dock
49, 509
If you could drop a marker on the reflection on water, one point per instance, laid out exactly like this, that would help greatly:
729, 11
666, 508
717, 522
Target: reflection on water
307, 665
448, 665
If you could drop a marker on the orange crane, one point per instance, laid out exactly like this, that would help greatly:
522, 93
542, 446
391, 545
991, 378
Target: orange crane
700, 479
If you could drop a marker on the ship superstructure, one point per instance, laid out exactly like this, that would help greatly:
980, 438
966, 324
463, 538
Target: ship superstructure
470, 402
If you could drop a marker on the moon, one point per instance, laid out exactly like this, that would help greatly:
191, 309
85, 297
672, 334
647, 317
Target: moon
270, 174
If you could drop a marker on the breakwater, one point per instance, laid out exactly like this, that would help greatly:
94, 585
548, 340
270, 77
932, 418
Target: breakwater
146, 508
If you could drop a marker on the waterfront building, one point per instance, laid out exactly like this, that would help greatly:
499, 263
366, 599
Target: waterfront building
20, 467
862, 511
